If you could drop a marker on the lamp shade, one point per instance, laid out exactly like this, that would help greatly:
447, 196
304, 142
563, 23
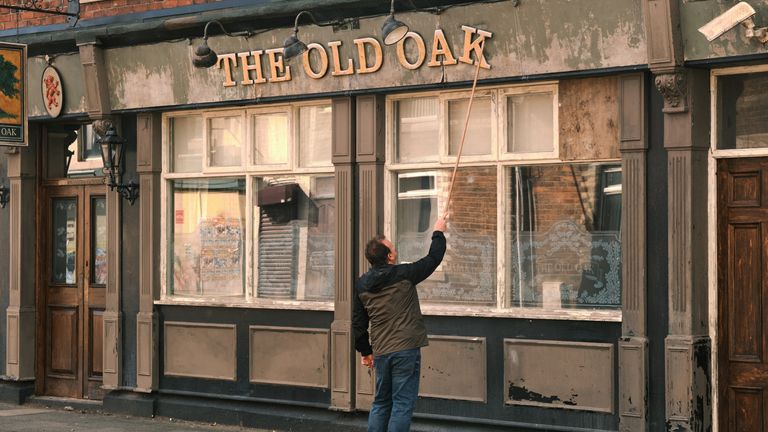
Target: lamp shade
111, 149
293, 47
393, 30
204, 56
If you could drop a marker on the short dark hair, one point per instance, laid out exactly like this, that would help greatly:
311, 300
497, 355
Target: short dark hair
375, 251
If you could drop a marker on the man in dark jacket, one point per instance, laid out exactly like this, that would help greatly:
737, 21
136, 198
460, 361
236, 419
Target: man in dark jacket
387, 299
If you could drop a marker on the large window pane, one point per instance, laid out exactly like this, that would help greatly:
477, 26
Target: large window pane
530, 124
225, 141
742, 111
294, 227
270, 134
417, 129
64, 240
315, 136
99, 240
478, 136
563, 239
187, 144
467, 274
207, 237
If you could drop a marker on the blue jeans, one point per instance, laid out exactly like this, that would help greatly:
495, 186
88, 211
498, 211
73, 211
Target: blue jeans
397, 388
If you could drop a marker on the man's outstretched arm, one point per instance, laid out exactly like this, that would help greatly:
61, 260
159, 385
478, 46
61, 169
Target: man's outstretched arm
421, 269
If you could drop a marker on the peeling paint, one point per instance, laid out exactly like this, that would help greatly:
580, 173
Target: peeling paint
522, 393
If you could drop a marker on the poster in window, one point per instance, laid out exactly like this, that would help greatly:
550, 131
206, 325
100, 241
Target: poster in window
13, 94
221, 258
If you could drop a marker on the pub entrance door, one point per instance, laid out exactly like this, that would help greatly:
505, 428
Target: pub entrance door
73, 277
742, 256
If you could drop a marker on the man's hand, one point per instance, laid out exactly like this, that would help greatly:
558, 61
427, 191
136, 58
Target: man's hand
440, 225
367, 361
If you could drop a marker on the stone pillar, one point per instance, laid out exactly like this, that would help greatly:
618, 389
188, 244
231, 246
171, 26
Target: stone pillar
633, 345
20, 316
342, 339
687, 347
148, 150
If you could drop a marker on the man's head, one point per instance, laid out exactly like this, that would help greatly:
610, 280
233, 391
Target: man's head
380, 251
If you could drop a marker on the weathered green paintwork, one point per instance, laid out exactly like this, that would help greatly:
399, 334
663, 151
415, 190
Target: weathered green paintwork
537, 37
71, 72
694, 14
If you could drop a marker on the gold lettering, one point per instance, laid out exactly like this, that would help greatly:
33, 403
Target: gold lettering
276, 66
229, 61
440, 47
421, 49
477, 46
247, 67
323, 61
361, 55
337, 63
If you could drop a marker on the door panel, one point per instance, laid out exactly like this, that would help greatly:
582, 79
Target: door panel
743, 293
74, 284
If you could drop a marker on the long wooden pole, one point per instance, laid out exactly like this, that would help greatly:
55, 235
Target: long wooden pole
464, 133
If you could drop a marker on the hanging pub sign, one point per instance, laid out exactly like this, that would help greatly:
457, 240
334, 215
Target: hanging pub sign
319, 61
13, 94
53, 92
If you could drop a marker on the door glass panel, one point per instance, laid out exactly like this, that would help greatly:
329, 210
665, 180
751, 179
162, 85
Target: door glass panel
64, 241
99, 241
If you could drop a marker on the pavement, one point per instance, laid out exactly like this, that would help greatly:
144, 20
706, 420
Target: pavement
39, 418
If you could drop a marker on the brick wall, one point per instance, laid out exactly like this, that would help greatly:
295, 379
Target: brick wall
94, 9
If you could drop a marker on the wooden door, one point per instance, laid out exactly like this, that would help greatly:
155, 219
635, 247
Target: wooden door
742, 256
73, 277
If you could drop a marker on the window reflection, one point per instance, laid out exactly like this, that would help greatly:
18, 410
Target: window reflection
64, 239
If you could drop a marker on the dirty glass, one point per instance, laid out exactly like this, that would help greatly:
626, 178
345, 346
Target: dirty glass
315, 136
271, 138
64, 241
187, 144
563, 236
417, 131
467, 274
742, 121
478, 135
294, 228
530, 123
225, 141
99, 240
207, 237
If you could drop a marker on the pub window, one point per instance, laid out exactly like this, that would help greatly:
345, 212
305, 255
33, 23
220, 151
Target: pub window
261, 231
527, 231
742, 111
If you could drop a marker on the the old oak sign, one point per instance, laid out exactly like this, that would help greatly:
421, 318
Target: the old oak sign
13, 94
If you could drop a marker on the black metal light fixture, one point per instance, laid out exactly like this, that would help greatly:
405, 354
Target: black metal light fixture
293, 47
112, 149
5, 195
204, 56
393, 30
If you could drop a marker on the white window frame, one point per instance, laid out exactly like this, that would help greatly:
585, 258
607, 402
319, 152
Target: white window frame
297, 168
502, 162
249, 172
208, 145
445, 126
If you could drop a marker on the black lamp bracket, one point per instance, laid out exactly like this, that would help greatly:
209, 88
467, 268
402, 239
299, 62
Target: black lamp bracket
245, 33
72, 11
129, 191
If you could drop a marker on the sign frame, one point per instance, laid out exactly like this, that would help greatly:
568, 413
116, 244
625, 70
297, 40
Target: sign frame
13, 133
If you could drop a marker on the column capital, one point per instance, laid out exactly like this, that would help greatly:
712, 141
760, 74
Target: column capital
673, 87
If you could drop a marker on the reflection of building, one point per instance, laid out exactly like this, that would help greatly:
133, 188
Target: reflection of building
605, 261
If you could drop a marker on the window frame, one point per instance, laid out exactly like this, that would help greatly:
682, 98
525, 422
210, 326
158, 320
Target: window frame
208, 145
249, 172
715, 74
503, 161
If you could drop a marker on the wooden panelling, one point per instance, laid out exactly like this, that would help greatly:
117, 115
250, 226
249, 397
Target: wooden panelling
291, 356
589, 118
570, 375
745, 190
62, 328
454, 368
200, 350
747, 409
96, 344
745, 331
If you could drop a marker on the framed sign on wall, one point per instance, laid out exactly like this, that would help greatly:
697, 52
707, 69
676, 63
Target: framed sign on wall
13, 94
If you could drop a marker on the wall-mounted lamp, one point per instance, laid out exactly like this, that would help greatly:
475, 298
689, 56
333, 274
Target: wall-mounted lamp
204, 56
393, 30
293, 47
5, 195
112, 149
741, 13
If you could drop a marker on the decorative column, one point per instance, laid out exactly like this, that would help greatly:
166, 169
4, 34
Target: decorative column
633, 345
371, 129
99, 110
20, 315
688, 346
148, 151
342, 337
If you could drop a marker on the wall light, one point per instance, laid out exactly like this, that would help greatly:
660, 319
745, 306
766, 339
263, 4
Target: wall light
393, 30
204, 56
293, 47
5, 195
112, 149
